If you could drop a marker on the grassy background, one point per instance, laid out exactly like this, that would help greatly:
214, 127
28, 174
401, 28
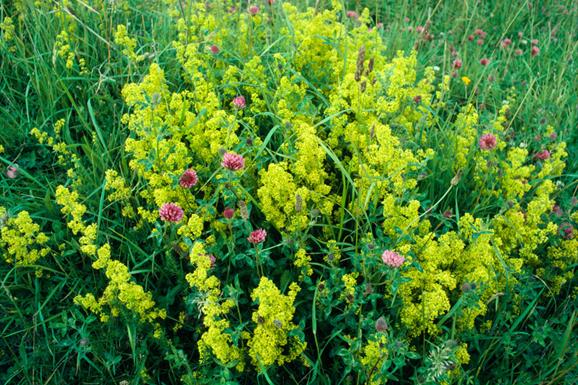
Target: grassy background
43, 339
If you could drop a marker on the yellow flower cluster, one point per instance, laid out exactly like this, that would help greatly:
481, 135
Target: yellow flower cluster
70, 206
473, 258
284, 204
562, 257
523, 231
171, 132
67, 39
515, 174
425, 294
215, 338
372, 89
193, 228
349, 283
21, 241
466, 259
373, 356
302, 261
120, 290
401, 220
103, 257
378, 160
7, 28
480, 267
312, 31
274, 323
63, 49
65, 156
116, 187
465, 136
8, 33
291, 189
127, 43
278, 196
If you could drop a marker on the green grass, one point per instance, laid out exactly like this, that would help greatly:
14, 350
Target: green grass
46, 339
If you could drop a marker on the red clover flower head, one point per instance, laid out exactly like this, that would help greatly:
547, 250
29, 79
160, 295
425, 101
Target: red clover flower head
392, 259
257, 236
171, 212
232, 161
488, 142
188, 179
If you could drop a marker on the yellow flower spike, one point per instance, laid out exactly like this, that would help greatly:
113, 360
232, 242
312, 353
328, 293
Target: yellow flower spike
120, 287
303, 262
373, 355
63, 49
21, 241
276, 196
350, 283
465, 135
65, 157
273, 320
8, 30
103, 257
193, 228
116, 186
214, 340
127, 43
70, 206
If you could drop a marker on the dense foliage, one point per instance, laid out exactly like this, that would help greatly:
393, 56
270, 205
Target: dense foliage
288, 192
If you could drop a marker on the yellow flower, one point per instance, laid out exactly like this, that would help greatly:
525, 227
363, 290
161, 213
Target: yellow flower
273, 321
7, 29
215, 339
21, 241
466, 80
303, 262
350, 283
117, 187
373, 356
127, 43
70, 206
193, 228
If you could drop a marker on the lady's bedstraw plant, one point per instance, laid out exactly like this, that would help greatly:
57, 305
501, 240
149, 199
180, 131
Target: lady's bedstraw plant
21, 241
331, 151
283, 200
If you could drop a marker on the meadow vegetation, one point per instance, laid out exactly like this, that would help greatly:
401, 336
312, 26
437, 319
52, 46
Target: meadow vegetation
288, 192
